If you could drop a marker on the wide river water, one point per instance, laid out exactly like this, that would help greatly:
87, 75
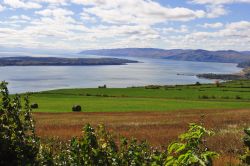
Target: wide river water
148, 72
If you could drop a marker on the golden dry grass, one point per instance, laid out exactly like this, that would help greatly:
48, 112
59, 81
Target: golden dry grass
159, 128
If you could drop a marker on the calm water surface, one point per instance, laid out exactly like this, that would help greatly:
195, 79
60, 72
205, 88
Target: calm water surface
151, 71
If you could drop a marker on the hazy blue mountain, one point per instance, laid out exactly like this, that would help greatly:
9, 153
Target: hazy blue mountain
246, 52
227, 56
137, 52
244, 64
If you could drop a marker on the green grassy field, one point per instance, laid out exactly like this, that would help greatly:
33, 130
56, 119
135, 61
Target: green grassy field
230, 95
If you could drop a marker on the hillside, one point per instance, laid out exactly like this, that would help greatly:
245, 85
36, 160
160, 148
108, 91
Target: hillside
225, 56
228, 56
54, 61
244, 64
135, 52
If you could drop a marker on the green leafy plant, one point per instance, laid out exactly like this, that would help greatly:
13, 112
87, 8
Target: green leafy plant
97, 147
191, 150
246, 157
18, 142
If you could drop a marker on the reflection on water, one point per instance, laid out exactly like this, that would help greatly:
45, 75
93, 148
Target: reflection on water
151, 71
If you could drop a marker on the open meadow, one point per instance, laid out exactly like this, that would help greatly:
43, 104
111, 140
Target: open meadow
232, 95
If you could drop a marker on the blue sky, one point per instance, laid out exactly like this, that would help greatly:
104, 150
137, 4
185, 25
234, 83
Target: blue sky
94, 24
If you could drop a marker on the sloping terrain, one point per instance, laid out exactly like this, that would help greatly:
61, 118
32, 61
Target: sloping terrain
226, 56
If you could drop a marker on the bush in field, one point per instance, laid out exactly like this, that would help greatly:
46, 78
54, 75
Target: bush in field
204, 97
217, 83
197, 83
237, 97
34, 106
18, 142
76, 108
191, 149
104, 86
152, 87
246, 157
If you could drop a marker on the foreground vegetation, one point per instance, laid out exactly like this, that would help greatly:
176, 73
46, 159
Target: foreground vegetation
158, 128
228, 95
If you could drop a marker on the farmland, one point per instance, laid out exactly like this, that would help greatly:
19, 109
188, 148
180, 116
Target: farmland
155, 113
231, 95
158, 128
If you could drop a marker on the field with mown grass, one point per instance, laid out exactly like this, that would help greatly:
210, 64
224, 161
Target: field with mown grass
230, 95
156, 114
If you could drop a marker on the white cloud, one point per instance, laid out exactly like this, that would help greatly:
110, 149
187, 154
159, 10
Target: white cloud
60, 2
182, 29
22, 4
239, 25
1, 8
119, 23
137, 11
212, 25
21, 17
58, 12
214, 11
215, 8
219, 2
87, 17
234, 35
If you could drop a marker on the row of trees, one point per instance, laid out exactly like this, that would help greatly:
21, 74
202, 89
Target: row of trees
19, 145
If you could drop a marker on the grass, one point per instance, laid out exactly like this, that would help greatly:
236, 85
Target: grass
59, 103
230, 95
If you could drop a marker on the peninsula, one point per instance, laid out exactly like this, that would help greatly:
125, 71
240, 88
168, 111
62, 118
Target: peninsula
56, 61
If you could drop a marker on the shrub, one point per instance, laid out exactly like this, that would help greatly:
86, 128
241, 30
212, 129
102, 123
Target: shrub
246, 157
191, 150
217, 83
213, 97
104, 86
34, 106
76, 108
97, 147
152, 87
18, 142
238, 97
197, 83
204, 97
225, 97
105, 95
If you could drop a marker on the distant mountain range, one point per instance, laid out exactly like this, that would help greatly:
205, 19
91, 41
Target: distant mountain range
225, 56
55, 61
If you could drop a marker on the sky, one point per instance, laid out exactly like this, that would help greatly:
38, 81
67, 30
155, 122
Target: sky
97, 24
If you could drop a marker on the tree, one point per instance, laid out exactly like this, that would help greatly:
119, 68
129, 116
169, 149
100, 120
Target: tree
18, 142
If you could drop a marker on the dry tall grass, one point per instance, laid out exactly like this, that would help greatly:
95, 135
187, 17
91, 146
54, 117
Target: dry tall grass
159, 128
